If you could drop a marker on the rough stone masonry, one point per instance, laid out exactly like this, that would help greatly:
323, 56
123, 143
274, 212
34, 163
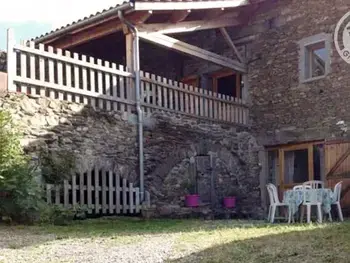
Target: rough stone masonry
284, 109
172, 144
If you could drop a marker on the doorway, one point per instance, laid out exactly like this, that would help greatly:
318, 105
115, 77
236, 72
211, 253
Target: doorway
290, 165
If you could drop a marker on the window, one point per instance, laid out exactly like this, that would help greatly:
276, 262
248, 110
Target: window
294, 164
314, 57
228, 83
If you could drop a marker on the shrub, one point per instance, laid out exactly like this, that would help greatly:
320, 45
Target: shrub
18, 178
56, 165
58, 215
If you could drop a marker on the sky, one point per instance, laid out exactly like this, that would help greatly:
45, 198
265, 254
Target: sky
31, 18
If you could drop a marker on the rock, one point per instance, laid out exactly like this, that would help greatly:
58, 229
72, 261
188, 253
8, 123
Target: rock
55, 105
28, 105
51, 120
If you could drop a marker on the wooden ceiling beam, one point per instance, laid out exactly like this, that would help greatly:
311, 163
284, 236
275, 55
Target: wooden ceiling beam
230, 43
178, 16
90, 33
194, 51
169, 28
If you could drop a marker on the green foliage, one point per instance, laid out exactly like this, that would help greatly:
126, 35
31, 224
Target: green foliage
56, 165
58, 215
18, 178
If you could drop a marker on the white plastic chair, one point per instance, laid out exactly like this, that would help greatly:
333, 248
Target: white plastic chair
336, 200
314, 184
301, 187
309, 203
275, 202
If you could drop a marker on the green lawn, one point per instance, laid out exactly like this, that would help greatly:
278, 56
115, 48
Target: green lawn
134, 240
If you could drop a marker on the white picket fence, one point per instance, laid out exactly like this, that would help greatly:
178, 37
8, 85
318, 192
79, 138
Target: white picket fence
46, 71
100, 191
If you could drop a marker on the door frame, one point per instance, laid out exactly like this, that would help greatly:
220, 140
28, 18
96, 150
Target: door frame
281, 149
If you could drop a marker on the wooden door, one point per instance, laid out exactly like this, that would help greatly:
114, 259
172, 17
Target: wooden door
308, 170
337, 168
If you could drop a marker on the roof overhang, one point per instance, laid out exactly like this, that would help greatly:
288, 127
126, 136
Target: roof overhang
92, 20
188, 5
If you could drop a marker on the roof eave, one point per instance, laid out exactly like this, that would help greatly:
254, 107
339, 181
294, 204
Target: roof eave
123, 7
188, 5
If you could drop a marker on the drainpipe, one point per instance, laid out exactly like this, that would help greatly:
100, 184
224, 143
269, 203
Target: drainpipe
136, 69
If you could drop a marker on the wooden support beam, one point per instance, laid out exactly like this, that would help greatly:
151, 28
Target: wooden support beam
129, 51
169, 28
94, 31
191, 50
231, 44
179, 16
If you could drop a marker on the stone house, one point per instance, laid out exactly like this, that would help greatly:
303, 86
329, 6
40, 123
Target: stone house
277, 57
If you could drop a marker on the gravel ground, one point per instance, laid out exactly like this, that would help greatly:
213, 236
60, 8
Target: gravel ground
99, 250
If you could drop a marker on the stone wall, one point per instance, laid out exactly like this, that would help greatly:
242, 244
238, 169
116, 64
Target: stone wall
173, 144
3, 64
284, 110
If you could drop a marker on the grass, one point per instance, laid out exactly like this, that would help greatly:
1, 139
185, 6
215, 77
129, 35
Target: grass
175, 241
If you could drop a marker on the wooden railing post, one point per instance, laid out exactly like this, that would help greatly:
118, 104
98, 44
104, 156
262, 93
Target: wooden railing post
11, 61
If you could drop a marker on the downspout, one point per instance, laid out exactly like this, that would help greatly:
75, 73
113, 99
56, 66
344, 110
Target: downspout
136, 70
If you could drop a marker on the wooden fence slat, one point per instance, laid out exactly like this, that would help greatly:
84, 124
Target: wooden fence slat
117, 193
51, 74
232, 116
176, 96
130, 91
65, 193
137, 201
97, 191
171, 99
159, 92
184, 99
57, 194
148, 91
197, 101
48, 193
224, 112
237, 112
68, 75
124, 196
108, 86
84, 79
143, 93
32, 67
192, 100
154, 91
114, 87
23, 67
60, 74
131, 198
123, 107
220, 107
89, 192
74, 190
81, 188
76, 78
110, 192
148, 199
211, 106
165, 94
99, 83
201, 102
104, 191
92, 82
